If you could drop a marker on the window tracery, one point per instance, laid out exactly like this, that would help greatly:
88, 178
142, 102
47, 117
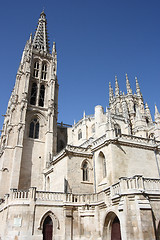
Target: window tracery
36, 69
33, 94
34, 129
117, 130
79, 134
85, 171
41, 95
44, 71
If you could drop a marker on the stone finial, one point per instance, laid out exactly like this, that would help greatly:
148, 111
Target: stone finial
40, 40
129, 90
84, 114
30, 38
54, 48
116, 87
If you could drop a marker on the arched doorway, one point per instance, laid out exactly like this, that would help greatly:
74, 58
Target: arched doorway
116, 231
111, 229
47, 228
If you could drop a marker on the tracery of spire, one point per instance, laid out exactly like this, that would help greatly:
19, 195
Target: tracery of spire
40, 40
138, 91
129, 90
110, 93
116, 87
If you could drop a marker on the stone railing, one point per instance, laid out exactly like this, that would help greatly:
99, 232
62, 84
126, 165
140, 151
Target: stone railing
136, 184
125, 186
70, 148
139, 139
87, 143
50, 196
99, 140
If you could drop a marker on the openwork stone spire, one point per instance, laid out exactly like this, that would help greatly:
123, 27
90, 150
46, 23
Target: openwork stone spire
40, 40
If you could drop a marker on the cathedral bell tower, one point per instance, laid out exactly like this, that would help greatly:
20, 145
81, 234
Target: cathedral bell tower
29, 134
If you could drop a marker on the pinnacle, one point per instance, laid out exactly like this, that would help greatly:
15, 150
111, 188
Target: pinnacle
116, 87
156, 111
129, 90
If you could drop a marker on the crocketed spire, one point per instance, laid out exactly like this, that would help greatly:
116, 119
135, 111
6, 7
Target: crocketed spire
116, 87
129, 90
138, 88
111, 96
40, 40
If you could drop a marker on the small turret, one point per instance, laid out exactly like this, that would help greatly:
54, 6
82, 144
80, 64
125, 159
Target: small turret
129, 90
157, 114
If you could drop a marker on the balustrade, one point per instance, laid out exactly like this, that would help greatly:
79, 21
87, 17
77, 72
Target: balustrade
124, 186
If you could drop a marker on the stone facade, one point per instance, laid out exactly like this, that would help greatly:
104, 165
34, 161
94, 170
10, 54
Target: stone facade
98, 179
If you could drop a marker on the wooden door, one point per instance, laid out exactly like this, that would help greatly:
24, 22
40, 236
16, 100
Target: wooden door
116, 232
47, 229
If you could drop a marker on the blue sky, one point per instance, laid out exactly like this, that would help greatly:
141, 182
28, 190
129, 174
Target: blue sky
95, 40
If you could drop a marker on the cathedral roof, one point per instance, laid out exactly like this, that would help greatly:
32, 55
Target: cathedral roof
40, 40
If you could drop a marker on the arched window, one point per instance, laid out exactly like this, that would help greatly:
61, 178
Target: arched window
36, 69
101, 167
79, 134
44, 71
34, 129
33, 94
103, 164
85, 171
117, 130
41, 96
151, 135
47, 228
147, 120
93, 128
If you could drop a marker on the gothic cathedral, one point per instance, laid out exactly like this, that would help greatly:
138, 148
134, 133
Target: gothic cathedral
98, 179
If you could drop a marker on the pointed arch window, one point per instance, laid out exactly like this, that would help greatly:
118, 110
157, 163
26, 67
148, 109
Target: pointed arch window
41, 95
117, 130
36, 69
93, 128
85, 171
34, 129
33, 94
102, 164
44, 71
79, 134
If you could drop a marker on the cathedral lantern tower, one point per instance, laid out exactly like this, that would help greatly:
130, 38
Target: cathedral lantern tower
29, 134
